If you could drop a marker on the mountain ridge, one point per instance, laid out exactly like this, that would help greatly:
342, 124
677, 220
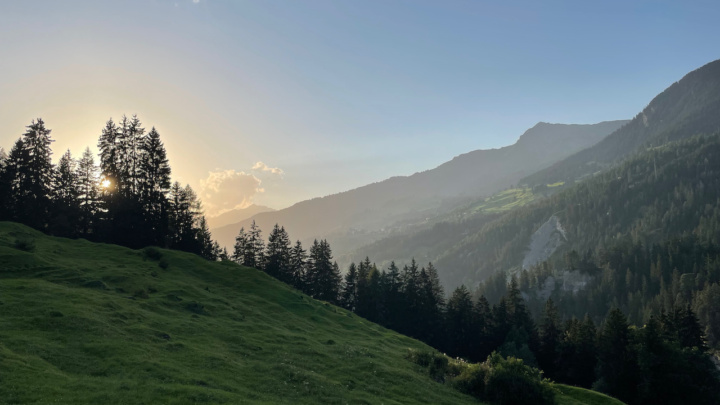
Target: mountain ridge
354, 217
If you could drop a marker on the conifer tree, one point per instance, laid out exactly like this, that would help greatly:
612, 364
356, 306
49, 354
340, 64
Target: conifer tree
461, 323
88, 193
33, 174
5, 209
550, 334
277, 255
66, 204
349, 290
254, 248
298, 267
617, 360
109, 157
323, 275
240, 247
154, 172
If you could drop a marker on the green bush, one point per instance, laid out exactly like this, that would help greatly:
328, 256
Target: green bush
510, 381
25, 244
152, 253
471, 380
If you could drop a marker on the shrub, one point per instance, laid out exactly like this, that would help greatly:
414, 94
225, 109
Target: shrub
25, 244
152, 253
163, 264
510, 381
472, 380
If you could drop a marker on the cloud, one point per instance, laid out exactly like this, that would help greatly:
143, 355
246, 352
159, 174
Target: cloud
225, 190
196, 1
265, 168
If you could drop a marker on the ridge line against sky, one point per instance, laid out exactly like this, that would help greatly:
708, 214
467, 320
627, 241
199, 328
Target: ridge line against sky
333, 95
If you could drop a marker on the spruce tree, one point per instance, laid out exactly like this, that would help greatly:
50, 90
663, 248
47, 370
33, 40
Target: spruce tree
277, 255
323, 275
154, 173
461, 323
66, 203
617, 360
348, 296
298, 267
550, 335
87, 178
240, 247
5, 191
33, 176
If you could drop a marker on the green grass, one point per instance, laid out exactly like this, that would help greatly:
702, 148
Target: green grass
94, 323
580, 396
558, 184
505, 201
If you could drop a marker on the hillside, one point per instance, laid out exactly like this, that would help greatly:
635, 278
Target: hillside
476, 243
95, 323
686, 108
236, 215
360, 216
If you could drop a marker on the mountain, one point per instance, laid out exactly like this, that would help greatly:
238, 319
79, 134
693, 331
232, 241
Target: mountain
688, 107
359, 216
471, 243
86, 323
236, 215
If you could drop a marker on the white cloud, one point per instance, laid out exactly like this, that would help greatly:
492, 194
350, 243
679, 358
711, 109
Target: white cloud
196, 1
265, 168
224, 190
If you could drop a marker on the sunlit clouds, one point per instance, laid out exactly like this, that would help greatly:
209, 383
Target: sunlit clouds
225, 190
265, 168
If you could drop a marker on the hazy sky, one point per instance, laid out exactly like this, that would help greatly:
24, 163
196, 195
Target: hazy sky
278, 101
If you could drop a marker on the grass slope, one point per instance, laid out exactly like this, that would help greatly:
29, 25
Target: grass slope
92, 323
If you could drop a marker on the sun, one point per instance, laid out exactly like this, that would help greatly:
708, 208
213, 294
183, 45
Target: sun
105, 183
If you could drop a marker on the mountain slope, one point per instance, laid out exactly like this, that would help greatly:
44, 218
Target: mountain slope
236, 215
688, 107
662, 193
353, 218
94, 323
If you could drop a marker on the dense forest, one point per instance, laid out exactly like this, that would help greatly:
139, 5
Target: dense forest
632, 363
128, 199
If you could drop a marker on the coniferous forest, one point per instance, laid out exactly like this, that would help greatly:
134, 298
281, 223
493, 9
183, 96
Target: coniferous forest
126, 197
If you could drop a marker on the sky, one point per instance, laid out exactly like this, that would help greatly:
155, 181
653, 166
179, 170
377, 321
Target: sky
274, 102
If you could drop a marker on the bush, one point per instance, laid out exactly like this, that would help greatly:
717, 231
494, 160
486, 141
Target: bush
163, 264
510, 381
472, 380
152, 253
25, 244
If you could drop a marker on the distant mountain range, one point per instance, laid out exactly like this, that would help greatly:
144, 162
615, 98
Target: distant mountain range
627, 185
236, 215
359, 216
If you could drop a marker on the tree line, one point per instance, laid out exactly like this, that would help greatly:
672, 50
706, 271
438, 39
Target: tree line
640, 365
128, 199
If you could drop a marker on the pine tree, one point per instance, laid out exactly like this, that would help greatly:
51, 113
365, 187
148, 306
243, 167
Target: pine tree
240, 247
461, 323
66, 203
277, 255
109, 157
5, 190
254, 248
87, 178
348, 296
154, 171
617, 360
550, 335
323, 275
298, 267
33, 174
207, 248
